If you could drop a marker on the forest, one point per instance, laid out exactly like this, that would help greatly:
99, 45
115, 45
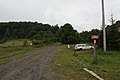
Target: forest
66, 34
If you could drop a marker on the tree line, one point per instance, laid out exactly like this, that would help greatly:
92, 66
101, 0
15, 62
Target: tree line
44, 33
112, 36
66, 34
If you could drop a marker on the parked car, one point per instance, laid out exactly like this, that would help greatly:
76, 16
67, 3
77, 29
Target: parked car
83, 47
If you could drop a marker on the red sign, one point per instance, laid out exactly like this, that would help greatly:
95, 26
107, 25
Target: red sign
94, 37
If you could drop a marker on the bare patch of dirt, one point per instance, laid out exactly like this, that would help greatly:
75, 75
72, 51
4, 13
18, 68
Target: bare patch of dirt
35, 66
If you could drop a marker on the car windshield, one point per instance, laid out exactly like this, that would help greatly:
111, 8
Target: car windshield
81, 45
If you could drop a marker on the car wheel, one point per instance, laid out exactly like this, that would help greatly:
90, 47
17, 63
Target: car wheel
80, 49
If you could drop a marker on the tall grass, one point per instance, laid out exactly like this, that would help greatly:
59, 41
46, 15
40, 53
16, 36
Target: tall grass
66, 66
10, 51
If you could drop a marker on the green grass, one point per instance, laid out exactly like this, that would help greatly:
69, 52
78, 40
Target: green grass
108, 64
66, 66
9, 52
18, 42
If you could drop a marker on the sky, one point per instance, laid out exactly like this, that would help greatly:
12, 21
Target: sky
83, 15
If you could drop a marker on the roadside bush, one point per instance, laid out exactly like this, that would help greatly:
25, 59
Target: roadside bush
46, 41
25, 43
37, 43
2, 41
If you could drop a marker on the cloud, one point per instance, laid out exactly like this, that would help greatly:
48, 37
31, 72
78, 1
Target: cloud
82, 14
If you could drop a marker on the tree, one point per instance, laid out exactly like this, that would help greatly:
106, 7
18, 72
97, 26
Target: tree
112, 20
14, 33
7, 33
67, 35
85, 36
31, 33
113, 36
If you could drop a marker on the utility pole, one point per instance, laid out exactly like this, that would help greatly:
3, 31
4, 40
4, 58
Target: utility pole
103, 26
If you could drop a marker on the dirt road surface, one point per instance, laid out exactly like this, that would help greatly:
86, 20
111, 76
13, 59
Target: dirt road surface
36, 66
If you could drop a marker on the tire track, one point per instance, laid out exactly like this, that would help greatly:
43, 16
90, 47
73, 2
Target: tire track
33, 67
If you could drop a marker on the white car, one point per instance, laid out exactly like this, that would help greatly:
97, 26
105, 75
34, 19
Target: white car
83, 47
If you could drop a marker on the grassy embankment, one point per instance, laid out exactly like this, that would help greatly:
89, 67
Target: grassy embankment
13, 49
66, 66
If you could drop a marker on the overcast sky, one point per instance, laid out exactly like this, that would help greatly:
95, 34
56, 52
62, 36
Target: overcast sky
82, 14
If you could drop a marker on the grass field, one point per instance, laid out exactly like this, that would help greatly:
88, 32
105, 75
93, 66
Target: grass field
13, 49
66, 66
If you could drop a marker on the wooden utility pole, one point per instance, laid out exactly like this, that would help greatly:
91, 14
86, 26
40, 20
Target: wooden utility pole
103, 26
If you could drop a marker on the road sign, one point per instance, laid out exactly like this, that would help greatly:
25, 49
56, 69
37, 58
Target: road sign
94, 37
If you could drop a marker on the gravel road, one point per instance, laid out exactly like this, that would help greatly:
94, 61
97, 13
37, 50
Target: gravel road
35, 66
